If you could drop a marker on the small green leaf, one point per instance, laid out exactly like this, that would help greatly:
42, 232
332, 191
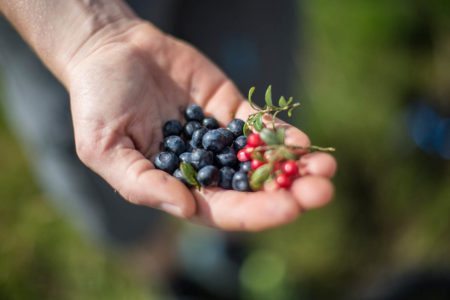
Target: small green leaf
287, 154
189, 174
269, 137
260, 176
290, 112
258, 122
282, 102
280, 132
246, 130
268, 97
258, 156
250, 93
291, 99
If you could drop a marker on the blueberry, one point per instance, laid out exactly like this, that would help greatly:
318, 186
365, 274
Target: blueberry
189, 147
229, 136
210, 123
240, 182
245, 166
201, 158
214, 140
186, 157
196, 140
174, 144
226, 157
172, 127
179, 175
190, 127
225, 177
208, 176
194, 113
166, 161
239, 142
236, 127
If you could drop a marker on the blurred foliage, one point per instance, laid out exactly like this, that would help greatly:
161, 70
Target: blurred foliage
364, 60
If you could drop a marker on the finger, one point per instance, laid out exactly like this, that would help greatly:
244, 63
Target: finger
136, 179
319, 164
240, 211
312, 191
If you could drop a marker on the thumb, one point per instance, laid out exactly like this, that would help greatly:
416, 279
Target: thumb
137, 180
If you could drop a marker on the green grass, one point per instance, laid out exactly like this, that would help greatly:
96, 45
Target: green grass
391, 207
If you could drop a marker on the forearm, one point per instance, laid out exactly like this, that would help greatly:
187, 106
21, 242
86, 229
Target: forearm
58, 30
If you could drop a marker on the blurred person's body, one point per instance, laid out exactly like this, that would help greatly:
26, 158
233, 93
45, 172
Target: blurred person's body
254, 42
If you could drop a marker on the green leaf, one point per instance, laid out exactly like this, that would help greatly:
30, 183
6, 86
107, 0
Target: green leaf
291, 99
280, 132
287, 154
290, 112
250, 93
258, 156
258, 122
246, 130
189, 174
268, 97
269, 136
282, 102
260, 176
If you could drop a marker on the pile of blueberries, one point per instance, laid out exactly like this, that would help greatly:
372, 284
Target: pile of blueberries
209, 149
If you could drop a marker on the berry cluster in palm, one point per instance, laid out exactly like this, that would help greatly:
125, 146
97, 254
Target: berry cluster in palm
200, 153
244, 156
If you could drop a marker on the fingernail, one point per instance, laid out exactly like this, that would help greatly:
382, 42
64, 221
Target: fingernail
171, 209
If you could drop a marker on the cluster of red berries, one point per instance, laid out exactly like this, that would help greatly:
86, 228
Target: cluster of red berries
283, 171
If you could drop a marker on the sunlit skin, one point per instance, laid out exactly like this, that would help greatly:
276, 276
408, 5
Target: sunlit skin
124, 85
123, 92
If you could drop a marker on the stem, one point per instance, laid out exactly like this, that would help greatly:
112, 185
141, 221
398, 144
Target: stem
311, 148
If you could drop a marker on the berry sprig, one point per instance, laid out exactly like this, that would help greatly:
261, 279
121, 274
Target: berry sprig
270, 158
255, 120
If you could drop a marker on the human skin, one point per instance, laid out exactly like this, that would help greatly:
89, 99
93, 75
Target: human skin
126, 78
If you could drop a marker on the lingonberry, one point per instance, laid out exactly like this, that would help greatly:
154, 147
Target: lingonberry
283, 181
255, 164
254, 140
243, 155
289, 168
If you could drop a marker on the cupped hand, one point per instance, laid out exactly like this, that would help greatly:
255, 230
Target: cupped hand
123, 90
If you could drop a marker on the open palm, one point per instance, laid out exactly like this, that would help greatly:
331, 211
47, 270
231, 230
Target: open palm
124, 90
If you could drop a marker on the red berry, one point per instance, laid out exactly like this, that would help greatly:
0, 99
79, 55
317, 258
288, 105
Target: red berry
283, 181
254, 140
248, 149
243, 155
290, 168
255, 164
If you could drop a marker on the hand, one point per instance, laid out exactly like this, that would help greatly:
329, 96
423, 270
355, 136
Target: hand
125, 88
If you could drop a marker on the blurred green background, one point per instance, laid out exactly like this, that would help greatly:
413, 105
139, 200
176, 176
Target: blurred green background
365, 65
